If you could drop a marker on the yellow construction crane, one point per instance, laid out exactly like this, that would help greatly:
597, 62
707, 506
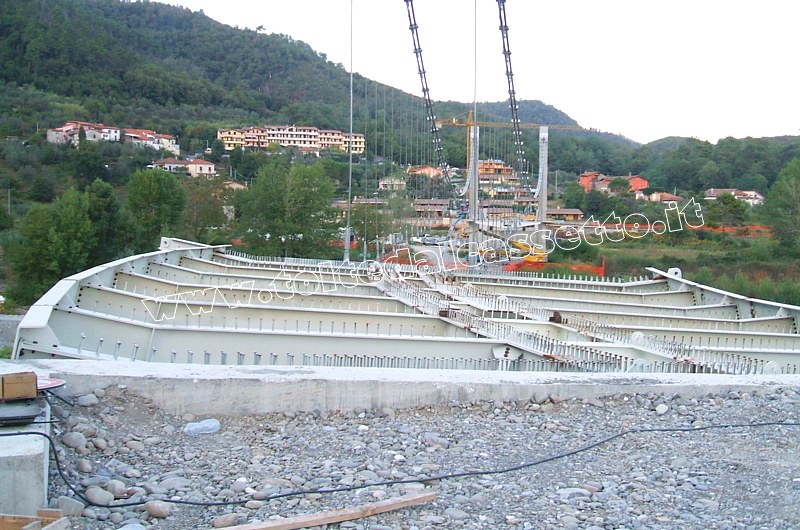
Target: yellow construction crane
457, 121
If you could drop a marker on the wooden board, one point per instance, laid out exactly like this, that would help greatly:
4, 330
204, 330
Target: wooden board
345, 514
47, 520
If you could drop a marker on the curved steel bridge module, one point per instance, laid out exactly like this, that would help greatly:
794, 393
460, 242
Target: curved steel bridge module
200, 304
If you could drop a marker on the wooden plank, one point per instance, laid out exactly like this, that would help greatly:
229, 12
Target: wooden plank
14, 522
53, 519
49, 514
60, 524
345, 514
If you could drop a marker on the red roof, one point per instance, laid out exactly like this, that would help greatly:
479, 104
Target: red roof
169, 162
590, 179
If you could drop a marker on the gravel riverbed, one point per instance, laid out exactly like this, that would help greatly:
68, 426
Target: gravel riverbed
119, 448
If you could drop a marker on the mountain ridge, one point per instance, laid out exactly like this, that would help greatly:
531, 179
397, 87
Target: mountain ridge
153, 57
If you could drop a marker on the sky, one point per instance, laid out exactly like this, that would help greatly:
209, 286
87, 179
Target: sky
706, 69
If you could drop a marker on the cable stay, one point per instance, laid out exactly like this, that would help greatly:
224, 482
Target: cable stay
437, 143
521, 162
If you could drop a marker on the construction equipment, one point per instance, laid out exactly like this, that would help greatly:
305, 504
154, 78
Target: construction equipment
463, 213
458, 121
531, 252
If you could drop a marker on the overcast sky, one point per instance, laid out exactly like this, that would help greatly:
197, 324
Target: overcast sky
644, 69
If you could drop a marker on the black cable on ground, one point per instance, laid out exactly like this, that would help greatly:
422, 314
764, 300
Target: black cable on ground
51, 393
435, 478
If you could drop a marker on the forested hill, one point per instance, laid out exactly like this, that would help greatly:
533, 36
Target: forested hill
124, 61
147, 64
152, 65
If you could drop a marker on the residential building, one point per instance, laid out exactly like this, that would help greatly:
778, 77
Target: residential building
331, 139
565, 214
148, 138
201, 168
752, 198
194, 168
594, 180
69, 133
494, 167
425, 171
432, 208
392, 183
663, 196
496, 173
359, 143
173, 165
293, 136
232, 138
525, 201
310, 150
307, 139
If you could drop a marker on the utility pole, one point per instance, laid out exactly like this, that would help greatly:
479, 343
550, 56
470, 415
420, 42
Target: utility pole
555, 195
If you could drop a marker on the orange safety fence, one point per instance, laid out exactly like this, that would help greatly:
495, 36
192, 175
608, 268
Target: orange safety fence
739, 231
580, 268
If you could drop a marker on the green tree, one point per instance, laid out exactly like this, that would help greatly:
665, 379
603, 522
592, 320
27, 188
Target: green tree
73, 235
595, 203
783, 206
288, 211
619, 185
112, 225
52, 242
708, 175
372, 222
573, 196
156, 201
43, 188
6, 221
726, 210
204, 209
88, 163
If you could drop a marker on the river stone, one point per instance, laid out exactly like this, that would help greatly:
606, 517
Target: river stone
70, 506
134, 445
84, 465
74, 440
117, 488
89, 400
98, 496
158, 509
175, 483
455, 513
224, 521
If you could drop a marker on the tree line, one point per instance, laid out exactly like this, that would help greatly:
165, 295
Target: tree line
147, 64
287, 210
81, 229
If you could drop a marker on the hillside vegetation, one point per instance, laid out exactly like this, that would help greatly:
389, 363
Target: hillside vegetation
146, 64
150, 65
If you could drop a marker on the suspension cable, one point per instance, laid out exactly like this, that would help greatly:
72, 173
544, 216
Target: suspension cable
437, 143
512, 96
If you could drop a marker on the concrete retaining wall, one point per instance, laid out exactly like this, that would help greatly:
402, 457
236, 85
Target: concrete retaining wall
240, 390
